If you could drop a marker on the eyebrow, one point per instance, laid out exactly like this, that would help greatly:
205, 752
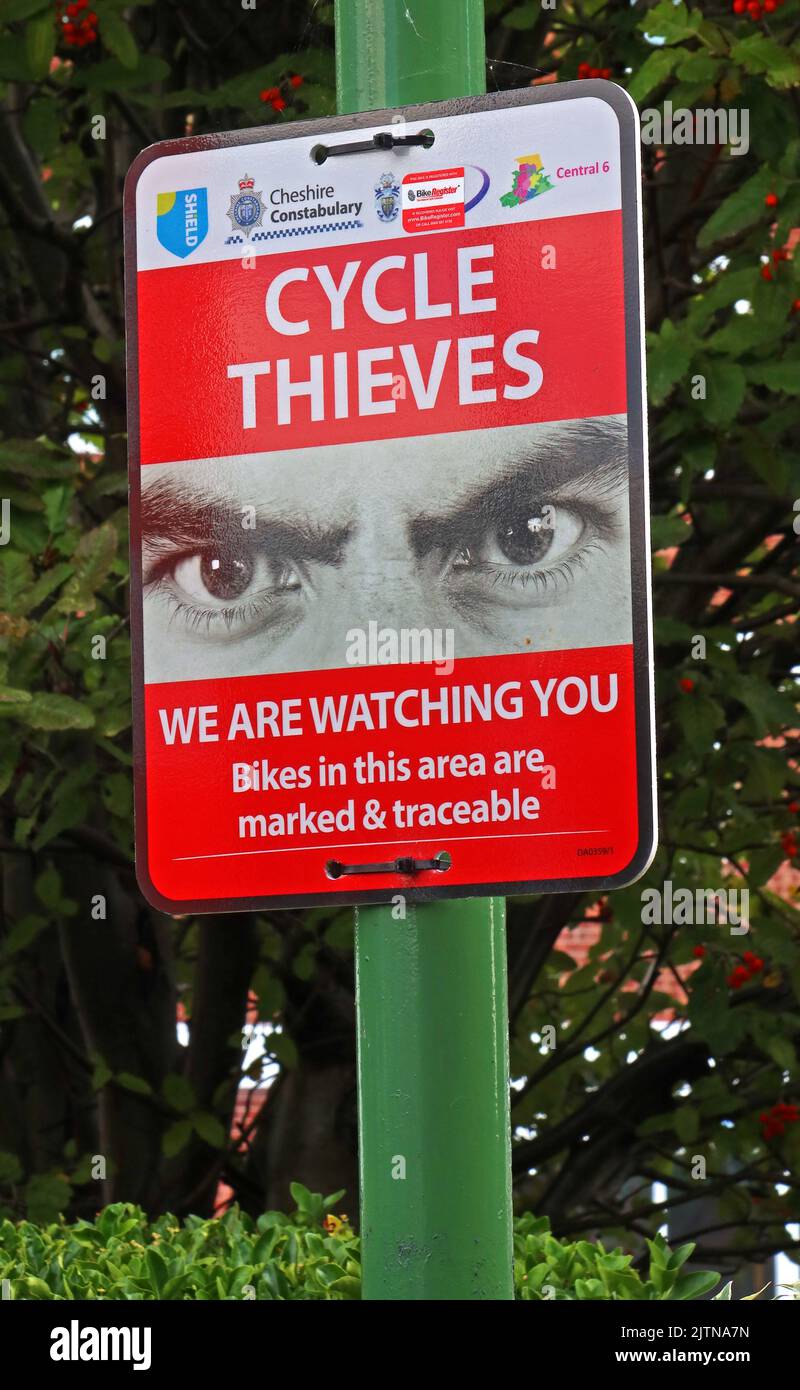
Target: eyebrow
535, 481
592, 454
182, 515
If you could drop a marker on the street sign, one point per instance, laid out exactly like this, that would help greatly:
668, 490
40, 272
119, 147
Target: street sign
390, 600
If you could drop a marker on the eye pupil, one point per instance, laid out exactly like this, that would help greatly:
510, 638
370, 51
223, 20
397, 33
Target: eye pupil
226, 576
526, 538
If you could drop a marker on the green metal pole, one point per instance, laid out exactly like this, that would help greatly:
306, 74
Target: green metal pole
434, 1126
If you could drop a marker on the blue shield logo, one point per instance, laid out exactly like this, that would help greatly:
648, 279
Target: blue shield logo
182, 220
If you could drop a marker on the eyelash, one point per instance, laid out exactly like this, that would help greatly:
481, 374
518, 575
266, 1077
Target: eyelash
195, 618
563, 573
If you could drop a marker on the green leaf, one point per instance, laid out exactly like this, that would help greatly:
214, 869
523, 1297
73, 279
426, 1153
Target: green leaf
40, 44
742, 208
117, 37
670, 22
669, 353
699, 718
210, 1129
521, 17
35, 458
15, 578
725, 388
770, 709
137, 1084
113, 76
176, 1138
695, 1285
301, 1196
46, 1194
10, 1168
776, 376
759, 54
37, 1288
55, 712
178, 1093
687, 1123
92, 562
666, 531
681, 1255
44, 586
157, 1270
22, 9
697, 67
48, 887
656, 67
11, 697
348, 1287
782, 1053
102, 1073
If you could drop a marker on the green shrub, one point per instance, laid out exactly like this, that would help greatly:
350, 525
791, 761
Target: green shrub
310, 1254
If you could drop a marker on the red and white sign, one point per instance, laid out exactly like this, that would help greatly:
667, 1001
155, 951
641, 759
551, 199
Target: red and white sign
434, 201
389, 508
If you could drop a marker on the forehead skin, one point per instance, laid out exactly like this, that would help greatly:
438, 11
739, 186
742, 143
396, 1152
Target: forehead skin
429, 475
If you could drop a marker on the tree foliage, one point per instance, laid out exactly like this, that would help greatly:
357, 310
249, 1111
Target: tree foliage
90, 976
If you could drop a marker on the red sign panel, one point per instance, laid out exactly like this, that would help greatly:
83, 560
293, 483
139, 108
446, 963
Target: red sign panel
389, 508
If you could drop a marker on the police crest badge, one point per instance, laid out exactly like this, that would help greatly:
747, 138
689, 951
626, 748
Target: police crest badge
246, 209
387, 198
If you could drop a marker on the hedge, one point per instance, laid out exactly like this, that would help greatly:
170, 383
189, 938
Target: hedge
310, 1254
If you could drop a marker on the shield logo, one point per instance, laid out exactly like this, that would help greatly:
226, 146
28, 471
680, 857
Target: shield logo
182, 220
387, 198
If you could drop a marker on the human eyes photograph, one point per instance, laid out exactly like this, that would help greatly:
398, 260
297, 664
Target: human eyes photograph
504, 538
400, 755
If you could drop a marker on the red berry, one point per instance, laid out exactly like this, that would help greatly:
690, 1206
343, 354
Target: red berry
296, 81
279, 104
583, 69
754, 9
794, 806
796, 306
739, 6
606, 73
687, 684
766, 273
770, 6
789, 844
756, 965
771, 200
698, 952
